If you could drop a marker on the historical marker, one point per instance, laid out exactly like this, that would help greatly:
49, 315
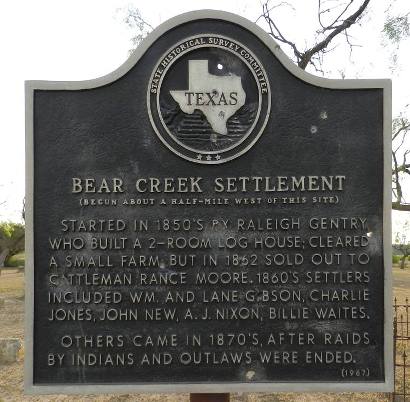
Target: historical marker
208, 217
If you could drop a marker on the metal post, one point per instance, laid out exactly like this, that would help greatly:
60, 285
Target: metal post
394, 353
209, 398
404, 377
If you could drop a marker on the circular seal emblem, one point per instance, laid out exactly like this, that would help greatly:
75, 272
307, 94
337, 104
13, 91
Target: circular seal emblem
209, 99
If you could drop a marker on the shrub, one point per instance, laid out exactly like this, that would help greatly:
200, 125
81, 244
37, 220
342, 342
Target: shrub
396, 259
16, 260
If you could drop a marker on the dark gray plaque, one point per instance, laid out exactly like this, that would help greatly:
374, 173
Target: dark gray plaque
208, 218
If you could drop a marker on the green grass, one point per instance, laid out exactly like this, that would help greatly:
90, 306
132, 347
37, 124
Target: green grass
16, 260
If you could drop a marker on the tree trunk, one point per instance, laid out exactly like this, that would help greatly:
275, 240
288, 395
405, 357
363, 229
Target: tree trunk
403, 261
3, 256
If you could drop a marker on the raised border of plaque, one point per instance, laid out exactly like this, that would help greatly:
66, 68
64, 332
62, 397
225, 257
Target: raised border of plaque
306, 386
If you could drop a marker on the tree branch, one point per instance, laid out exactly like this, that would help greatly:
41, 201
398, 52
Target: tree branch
275, 32
396, 179
401, 127
327, 32
331, 26
346, 24
404, 127
397, 206
402, 168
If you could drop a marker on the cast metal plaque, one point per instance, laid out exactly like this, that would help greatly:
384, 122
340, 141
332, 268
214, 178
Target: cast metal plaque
208, 218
